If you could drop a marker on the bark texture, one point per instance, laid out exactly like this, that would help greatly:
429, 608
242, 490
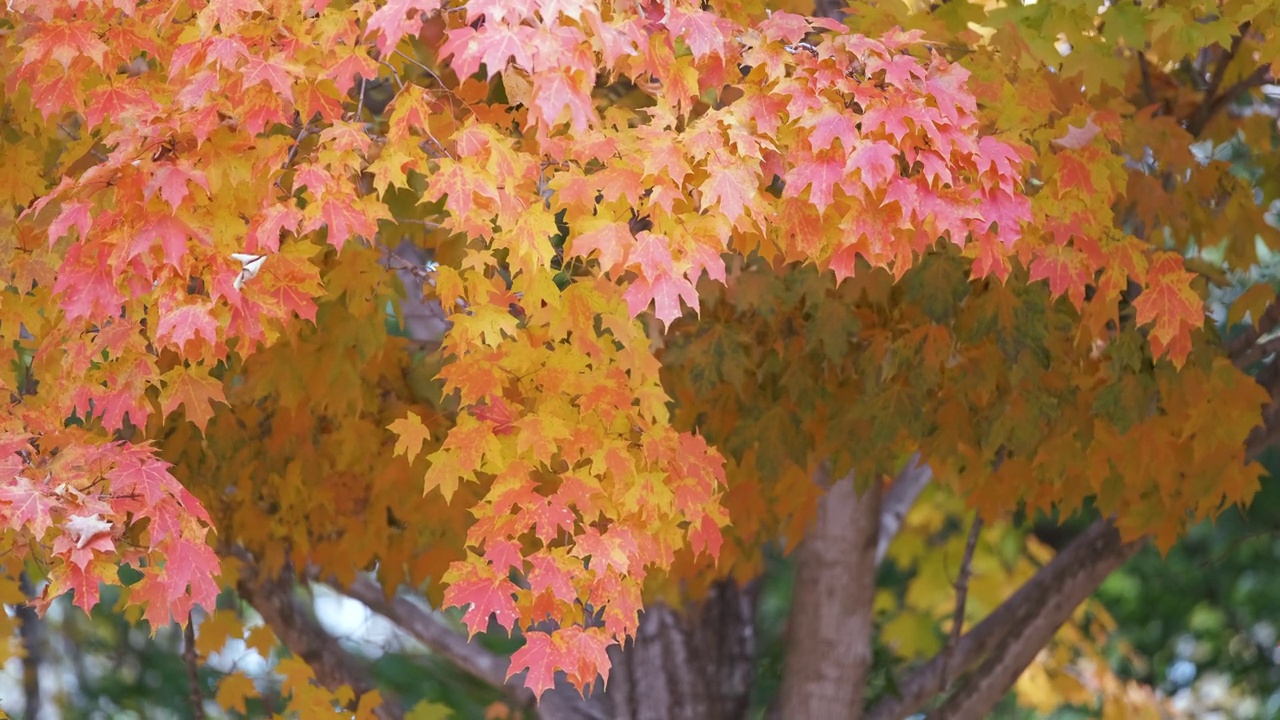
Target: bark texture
829, 644
692, 665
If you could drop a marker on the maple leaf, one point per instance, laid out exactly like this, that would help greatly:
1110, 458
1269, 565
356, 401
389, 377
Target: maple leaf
26, 504
180, 324
194, 390
486, 594
276, 73
554, 572
264, 230
411, 434
83, 581
541, 656
227, 14
493, 44
63, 41
561, 91
820, 175
72, 214
730, 187
145, 475
665, 291
396, 19
346, 219
1170, 304
1078, 137
169, 232
704, 32
87, 283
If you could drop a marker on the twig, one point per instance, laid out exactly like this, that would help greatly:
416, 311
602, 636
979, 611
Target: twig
962, 595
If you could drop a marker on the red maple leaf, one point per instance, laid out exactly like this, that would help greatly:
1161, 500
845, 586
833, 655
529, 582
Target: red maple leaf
554, 573
504, 555
665, 292
586, 654
170, 232
730, 187
549, 518
1171, 304
486, 594
63, 41
542, 656
88, 283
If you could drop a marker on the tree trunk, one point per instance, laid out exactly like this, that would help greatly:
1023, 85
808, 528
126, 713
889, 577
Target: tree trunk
692, 665
829, 633
31, 629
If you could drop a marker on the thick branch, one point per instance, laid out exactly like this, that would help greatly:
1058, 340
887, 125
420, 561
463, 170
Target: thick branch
441, 639
898, 499
1215, 100
469, 657
192, 661
829, 634
334, 667
1008, 639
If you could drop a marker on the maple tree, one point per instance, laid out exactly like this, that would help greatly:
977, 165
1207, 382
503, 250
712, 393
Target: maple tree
687, 279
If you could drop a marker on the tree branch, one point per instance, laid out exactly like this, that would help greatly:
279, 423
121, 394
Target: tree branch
441, 639
1215, 101
898, 499
192, 661
473, 659
962, 594
334, 667
1008, 639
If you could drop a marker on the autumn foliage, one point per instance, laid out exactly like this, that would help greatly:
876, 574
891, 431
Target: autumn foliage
855, 239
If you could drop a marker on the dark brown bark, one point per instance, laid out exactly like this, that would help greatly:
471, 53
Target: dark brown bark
692, 665
829, 633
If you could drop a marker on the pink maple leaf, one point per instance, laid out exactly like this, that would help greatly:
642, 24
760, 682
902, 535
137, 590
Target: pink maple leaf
180, 325
171, 179
142, 474
665, 292
72, 214
27, 505
397, 19
555, 91
730, 187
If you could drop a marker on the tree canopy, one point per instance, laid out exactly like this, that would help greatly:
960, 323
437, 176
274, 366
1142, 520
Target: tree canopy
557, 309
